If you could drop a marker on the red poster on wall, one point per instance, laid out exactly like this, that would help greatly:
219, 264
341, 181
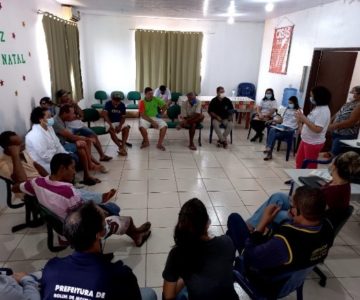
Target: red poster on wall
281, 49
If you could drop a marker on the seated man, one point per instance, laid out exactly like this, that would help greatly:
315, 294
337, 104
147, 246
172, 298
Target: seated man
192, 116
164, 93
77, 126
221, 112
88, 272
46, 102
15, 163
299, 244
114, 114
57, 193
42, 143
148, 109
76, 144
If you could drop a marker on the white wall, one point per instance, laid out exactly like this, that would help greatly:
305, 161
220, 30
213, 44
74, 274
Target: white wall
231, 53
331, 25
356, 75
15, 110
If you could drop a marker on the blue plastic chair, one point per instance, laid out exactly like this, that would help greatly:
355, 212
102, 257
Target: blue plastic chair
294, 281
288, 92
246, 89
291, 142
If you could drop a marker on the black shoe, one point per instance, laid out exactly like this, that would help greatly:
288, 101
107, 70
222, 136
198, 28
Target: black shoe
254, 138
261, 137
288, 182
268, 156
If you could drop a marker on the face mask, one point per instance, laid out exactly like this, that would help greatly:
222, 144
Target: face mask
313, 102
192, 102
222, 95
268, 96
291, 106
50, 122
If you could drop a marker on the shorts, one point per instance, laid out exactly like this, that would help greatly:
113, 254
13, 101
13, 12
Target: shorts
114, 124
146, 124
70, 147
83, 131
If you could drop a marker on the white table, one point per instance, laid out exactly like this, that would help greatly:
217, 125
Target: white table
209, 98
351, 143
294, 174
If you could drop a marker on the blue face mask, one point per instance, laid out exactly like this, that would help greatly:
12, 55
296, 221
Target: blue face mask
268, 96
291, 105
313, 102
50, 122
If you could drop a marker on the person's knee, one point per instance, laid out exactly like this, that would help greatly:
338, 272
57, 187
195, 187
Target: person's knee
126, 129
233, 218
80, 144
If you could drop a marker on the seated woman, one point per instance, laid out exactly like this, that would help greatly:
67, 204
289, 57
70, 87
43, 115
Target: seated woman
201, 263
264, 112
284, 130
337, 192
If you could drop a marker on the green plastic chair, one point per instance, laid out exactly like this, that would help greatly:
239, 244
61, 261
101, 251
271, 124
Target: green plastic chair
122, 95
92, 115
175, 96
101, 96
133, 96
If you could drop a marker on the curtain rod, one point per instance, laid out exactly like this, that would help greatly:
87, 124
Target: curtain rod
41, 12
133, 29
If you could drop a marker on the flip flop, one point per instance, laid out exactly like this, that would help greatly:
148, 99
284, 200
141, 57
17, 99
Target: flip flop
144, 239
89, 181
106, 158
160, 147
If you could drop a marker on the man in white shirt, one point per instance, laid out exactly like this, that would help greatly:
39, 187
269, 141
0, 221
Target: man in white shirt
164, 93
191, 116
42, 144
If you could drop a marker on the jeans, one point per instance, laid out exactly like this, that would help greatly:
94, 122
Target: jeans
336, 147
238, 231
148, 294
275, 134
183, 294
280, 199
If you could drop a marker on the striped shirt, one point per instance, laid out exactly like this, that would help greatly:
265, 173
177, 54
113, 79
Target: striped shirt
57, 196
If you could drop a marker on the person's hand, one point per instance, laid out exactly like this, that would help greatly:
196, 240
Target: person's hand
300, 117
14, 150
260, 116
331, 127
19, 275
107, 196
155, 125
269, 214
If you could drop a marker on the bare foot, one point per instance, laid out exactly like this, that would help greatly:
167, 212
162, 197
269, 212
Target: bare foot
144, 145
107, 196
192, 147
160, 147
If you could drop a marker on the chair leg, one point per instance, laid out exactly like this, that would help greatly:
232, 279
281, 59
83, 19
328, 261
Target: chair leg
200, 138
323, 278
278, 145
231, 138
299, 292
50, 240
211, 132
249, 132
288, 150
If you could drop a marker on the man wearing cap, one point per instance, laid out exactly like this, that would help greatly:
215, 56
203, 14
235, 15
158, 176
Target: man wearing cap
191, 116
148, 109
77, 126
114, 114
346, 122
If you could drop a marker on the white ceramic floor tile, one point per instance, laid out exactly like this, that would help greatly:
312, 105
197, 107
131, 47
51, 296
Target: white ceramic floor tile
7, 221
350, 233
131, 201
160, 164
220, 184
163, 217
26, 266
262, 173
202, 195
187, 173
344, 267
212, 173
161, 241
186, 185
162, 186
224, 212
123, 246
8, 242
225, 198
155, 265
246, 184
136, 186
161, 174
134, 175
137, 264
163, 200
253, 197
352, 285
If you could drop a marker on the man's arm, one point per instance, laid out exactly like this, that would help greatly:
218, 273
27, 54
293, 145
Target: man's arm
105, 115
70, 136
40, 169
18, 174
29, 284
211, 111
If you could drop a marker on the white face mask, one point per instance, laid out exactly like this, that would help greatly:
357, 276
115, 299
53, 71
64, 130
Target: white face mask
222, 95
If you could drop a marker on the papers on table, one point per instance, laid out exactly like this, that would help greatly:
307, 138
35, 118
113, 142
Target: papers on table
324, 174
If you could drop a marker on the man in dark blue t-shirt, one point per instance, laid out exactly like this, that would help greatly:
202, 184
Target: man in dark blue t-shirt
114, 115
88, 273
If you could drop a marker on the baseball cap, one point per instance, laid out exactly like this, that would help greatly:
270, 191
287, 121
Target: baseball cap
355, 90
61, 93
117, 95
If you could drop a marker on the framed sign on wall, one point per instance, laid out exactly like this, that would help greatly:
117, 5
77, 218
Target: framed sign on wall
281, 49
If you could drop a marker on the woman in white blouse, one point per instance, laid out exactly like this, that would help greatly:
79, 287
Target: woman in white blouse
264, 113
314, 127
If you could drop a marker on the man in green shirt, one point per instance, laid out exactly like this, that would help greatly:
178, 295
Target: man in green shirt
148, 109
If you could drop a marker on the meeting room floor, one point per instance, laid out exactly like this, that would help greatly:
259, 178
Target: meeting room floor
152, 185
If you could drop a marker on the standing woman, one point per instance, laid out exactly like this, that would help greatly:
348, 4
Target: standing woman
199, 266
314, 126
264, 113
346, 123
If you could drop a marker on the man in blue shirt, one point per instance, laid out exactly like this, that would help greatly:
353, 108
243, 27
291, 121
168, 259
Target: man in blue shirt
114, 115
88, 273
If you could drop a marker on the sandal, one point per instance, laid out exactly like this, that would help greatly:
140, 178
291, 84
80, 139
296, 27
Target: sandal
268, 156
106, 158
160, 147
192, 147
144, 145
122, 152
143, 239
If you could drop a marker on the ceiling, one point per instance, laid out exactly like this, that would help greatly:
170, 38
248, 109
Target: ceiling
245, 10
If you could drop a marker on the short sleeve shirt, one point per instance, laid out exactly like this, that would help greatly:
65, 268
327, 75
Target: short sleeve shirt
320, 116
188, 110
150, 108
221, 107
115, 113
7, 168
267, 106
59, 126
